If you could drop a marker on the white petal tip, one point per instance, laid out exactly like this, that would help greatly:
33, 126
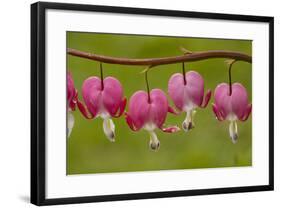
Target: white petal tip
233, 131
68, 132
70, 124
176, 129
155, 146
111, 137
154, 143
234, 138
109, 129
187, 126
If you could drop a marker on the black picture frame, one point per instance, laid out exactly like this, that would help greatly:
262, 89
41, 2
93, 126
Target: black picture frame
38, 100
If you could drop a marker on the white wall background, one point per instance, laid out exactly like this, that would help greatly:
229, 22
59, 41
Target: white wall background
15, 101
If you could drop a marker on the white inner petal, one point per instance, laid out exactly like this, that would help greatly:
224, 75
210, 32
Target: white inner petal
188, 122
189, 106
231, 117
154, 143
233, 131
149, 126
70, 123
109, 128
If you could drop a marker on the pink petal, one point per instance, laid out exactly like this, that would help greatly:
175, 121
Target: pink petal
171, 129
70, 87
158, 107
91, 92
83, 109
130, 122
176, 90
173, 111
73, 101
142, 112
222, 99
247, 113
139, 109
217, 113
192, 92
194, 88
236, 103
112, 95
207, 99
121, 108
239, 100
72, 93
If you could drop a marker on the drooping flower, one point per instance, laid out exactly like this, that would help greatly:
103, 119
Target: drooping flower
103, 98
187, 94
232, 106
71, 102
149, 112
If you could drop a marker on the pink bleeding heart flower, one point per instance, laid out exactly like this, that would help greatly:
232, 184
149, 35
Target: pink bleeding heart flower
187, 94
72, 95
103, 98
232, 106
149, 112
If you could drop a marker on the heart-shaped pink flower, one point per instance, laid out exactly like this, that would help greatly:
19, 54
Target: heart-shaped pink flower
72, 95
187, 94
149, 112
231, 107
103, 98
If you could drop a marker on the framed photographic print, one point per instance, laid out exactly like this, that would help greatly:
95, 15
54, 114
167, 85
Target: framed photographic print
131, 103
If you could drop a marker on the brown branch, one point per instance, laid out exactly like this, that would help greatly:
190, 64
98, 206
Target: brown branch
195, 56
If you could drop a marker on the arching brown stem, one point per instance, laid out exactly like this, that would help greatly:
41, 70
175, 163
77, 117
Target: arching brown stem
191, 57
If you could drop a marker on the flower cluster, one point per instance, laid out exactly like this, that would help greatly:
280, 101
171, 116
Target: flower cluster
104, 98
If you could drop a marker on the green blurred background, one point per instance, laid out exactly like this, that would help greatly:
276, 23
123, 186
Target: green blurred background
208, 145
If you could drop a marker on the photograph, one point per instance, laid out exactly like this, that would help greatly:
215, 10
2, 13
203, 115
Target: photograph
176, 103
135, 103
